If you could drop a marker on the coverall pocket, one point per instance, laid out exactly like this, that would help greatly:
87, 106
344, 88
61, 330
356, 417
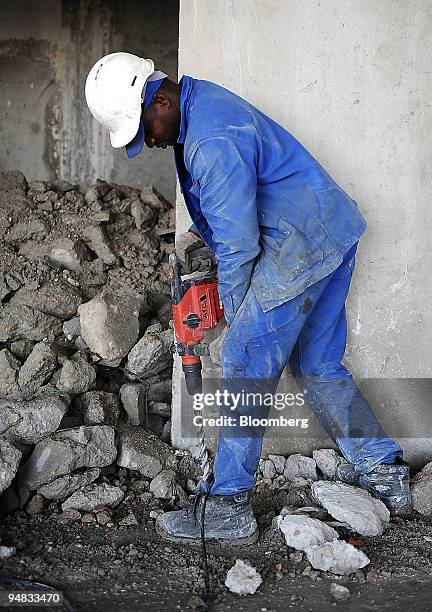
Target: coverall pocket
296, 254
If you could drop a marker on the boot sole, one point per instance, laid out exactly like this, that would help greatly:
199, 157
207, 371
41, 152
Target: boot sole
226, 543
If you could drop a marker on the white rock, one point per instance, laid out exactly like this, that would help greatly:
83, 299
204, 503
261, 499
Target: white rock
7, 551
94, 497
279, 462
421, 491
163, 486
10, 458
242, 578
356, 507
300, 470
62, 487
337, 557
268, 469
302, 532
110, 324
339, 592
327, 460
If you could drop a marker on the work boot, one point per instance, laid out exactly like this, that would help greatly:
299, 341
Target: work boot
388, 482
227, 517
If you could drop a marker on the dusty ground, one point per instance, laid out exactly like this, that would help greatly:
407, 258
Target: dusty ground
130, 569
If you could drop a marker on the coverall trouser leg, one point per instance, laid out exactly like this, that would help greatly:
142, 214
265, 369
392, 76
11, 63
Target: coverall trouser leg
309, 332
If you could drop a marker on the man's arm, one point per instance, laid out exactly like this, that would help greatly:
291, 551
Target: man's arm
225, 170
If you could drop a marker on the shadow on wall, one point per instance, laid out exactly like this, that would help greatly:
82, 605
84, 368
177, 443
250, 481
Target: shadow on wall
46, 50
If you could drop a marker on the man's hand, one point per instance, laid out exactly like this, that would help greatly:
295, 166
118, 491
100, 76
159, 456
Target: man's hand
193, 254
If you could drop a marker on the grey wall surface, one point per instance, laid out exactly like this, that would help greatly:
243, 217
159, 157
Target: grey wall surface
353, 82
47, 48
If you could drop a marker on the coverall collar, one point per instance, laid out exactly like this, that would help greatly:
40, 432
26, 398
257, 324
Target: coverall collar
186, 88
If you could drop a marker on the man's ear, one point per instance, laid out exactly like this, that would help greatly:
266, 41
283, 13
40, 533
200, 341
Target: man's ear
161, 99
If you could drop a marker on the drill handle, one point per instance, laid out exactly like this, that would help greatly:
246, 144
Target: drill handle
175, 277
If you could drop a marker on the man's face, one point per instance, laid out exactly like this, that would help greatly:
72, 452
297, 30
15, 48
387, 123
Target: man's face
161, 122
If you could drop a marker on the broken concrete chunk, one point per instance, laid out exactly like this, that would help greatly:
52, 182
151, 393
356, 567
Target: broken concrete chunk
356, 507
69, 254
94, 497
35, 505
68, 450
98, 242
128, 521
97, 407
62, 487
7, 551
109, 324
242, 578
23, 322
38, 367
268, 469
279, 462
140, 450
339, 592
9, 367
151, 354
13, 180
337, 557
10, 458
142, 214
421, 491
328, 460
134, 400
4, 287
26, 230
300, 470
301, 532
22, 348
163, 486
60, 301
30, 421
76, 376
71, 328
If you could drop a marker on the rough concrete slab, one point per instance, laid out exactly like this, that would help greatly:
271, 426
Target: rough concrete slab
356, 507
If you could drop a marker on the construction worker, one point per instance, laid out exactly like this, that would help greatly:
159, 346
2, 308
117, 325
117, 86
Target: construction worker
284, 235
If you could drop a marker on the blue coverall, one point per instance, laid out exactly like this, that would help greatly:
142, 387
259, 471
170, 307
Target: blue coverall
284, 235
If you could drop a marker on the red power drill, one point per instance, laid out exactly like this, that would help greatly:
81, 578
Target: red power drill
196, 307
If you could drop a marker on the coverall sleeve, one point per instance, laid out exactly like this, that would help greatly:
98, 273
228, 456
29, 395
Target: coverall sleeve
225, 170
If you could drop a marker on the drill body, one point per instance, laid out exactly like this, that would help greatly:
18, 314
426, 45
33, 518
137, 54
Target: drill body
196, 308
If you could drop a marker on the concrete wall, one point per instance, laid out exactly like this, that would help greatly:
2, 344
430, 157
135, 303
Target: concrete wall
46, 50
352, 81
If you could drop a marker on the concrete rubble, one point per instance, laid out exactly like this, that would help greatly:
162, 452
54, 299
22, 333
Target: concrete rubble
83, 282
300, 470
10, 458
140, 450
68, 450
339, 592
163, 486
337, 557
352, 505
301, 532
242, 578
94, 497
421, 491
62, 487
109, 324
327, 461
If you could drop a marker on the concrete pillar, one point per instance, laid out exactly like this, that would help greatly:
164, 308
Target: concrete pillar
352, 81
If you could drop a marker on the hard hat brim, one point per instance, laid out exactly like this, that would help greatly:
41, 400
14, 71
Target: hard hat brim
122, 137
134, 147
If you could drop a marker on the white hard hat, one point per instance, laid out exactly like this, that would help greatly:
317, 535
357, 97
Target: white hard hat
114, 92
